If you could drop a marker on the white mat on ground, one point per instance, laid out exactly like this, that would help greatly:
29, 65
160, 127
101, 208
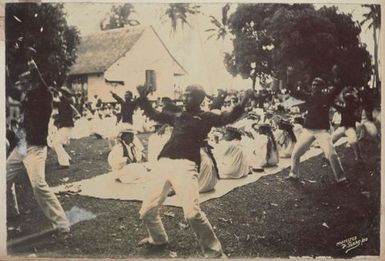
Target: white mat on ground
105, 187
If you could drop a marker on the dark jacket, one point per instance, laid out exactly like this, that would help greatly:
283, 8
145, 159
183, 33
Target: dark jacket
65, 113
190, 129
349, 115
37, 109
127, 108
318, 106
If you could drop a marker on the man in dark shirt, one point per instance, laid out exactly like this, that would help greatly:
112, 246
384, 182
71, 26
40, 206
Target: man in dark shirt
316, 126
349, 118
32, 151
65, 123
127, 106
177, 167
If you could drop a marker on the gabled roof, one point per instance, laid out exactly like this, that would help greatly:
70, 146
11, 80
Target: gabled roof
97, 52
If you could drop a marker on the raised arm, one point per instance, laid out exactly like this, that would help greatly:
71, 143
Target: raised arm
231, 116
292, 88
337, 83
117, 97
149, 111
36, 75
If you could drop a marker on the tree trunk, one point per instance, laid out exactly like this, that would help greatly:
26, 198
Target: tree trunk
376, 73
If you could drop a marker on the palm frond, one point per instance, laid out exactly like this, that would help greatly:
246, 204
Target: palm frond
225, 10
215, 21
211, 36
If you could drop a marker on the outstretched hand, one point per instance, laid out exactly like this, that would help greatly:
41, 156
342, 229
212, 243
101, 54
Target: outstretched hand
142, 90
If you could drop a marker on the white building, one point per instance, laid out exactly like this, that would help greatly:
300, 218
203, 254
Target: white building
120, 59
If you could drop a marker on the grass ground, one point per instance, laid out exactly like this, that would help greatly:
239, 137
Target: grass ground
269, 218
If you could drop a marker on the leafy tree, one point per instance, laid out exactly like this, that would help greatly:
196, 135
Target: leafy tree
220, 29
119, 17
270, 37
44, 28
251, 56
373, 19
178, 13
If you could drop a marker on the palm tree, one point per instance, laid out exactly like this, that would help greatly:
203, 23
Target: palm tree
179, 12
373, 19
221, 28
119, 17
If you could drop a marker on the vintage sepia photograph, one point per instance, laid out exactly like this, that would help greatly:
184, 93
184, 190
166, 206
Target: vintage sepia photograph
192, 130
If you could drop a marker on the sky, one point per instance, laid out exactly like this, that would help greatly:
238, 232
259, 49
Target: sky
202, 58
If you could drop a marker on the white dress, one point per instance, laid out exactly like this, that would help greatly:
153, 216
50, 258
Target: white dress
232, 160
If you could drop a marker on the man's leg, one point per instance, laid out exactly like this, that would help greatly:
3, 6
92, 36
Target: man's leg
185, 183
370, 128
338, 134
34, 162
303, 144
352, 140
61, 137
156, 193
14, 166
325, 141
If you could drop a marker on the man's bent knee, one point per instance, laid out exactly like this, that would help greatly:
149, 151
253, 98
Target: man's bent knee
193, 214
330, 154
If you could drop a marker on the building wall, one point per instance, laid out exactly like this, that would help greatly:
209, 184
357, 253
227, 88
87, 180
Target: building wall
147, 54
98, 86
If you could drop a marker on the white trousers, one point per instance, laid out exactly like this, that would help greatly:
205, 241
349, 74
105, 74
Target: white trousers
324, 140
366, 127
182, 176
208, 175
350, 133
33, 158
62, 137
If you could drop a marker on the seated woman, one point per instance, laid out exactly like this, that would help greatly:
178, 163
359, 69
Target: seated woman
265, 152
208, 171
125, 158
231, 156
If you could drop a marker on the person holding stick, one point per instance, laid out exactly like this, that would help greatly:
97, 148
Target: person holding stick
177, 167
32, 151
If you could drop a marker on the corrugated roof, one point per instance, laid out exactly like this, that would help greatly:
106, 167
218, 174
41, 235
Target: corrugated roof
97, 52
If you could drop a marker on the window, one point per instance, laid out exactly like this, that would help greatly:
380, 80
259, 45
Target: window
151, 80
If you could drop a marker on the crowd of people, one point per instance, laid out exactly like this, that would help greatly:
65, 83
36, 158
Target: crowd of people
192, 145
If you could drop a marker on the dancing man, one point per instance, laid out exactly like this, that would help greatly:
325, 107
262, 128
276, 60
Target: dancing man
127, 107
65, 123
348, 122
177, 167
316, 126
32, 152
